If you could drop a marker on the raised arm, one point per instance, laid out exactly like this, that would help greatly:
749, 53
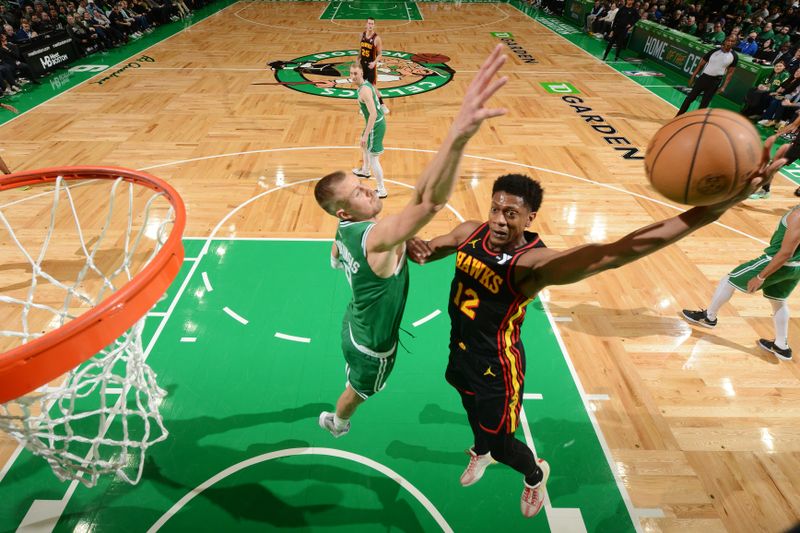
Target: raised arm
421, 251
544, 267
436, 183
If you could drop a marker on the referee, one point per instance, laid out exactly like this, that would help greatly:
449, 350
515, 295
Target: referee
713, 67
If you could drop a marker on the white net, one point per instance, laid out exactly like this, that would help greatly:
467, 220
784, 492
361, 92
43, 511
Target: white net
68, 246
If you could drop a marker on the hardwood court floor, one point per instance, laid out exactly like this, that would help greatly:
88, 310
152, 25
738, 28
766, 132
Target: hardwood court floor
703, 427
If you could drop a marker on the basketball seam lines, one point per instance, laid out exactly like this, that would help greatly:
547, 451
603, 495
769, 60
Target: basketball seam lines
694, 157
665, 143
735, 160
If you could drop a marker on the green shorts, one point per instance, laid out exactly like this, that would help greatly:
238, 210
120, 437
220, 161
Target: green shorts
375, 140
778, 286
366, 374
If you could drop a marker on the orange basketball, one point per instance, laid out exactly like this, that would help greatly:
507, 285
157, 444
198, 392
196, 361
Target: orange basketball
703, 157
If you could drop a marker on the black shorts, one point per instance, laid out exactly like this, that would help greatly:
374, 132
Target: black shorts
370, 74
496, 384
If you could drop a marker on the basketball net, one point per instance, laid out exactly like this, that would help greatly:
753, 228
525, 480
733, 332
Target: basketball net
101, 417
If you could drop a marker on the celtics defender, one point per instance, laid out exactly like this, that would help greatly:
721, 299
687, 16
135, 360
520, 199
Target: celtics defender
374, 129
370, 51
372, 252
775, 273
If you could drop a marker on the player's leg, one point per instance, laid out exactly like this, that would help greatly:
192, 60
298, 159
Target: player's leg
697, 88
375, 149
777, 289
457, 375
712, 84
364, 171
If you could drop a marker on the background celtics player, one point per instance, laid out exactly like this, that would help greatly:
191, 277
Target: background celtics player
775, 273
374, 130
372, 252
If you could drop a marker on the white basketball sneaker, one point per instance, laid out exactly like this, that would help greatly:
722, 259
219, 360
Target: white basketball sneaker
533, 496
476, 467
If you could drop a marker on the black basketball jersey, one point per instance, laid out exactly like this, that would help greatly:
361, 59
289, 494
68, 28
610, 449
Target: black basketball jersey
368, 50
486, 308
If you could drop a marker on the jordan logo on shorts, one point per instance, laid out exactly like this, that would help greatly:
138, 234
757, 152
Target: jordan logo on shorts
490, 373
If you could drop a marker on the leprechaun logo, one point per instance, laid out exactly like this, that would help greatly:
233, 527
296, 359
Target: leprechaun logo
328, 73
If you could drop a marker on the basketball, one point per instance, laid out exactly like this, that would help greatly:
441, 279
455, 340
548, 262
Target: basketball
703, 157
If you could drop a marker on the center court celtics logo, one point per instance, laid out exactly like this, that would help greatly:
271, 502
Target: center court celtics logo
399, 73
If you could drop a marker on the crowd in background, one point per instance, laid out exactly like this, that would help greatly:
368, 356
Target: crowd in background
94, 26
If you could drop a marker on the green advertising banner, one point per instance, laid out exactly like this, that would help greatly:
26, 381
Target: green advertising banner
502, 34
683, 53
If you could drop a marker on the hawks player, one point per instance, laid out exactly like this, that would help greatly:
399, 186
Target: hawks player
500, 268
370, 54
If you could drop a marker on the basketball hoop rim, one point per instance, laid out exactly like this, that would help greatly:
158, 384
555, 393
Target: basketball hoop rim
36, 363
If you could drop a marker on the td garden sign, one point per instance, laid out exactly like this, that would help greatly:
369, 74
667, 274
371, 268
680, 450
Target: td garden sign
328, 73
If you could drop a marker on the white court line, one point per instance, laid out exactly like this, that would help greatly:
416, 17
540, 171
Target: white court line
188, 339
190, 259
598, 397
237, 317
600, 437
330, 452
649, 512
206, 282
156, 313
532, 396
564, 520
12, 458
562, 318
291, 337
426, 318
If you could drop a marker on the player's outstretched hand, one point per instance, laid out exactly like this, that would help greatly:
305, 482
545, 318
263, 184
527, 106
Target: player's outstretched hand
761, 176
10, 108
483, 87
418, 250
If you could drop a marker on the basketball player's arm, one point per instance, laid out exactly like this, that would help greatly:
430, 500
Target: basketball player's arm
791, 240
378, 55
436, 184
541, 267
335, 263
10, 108
421, 251
364, 95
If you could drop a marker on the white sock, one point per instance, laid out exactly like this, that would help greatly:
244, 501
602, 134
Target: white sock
376, 166
780, 316
339, 423
721, 296
365, 166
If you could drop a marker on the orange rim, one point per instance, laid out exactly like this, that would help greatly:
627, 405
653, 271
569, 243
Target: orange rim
27, 367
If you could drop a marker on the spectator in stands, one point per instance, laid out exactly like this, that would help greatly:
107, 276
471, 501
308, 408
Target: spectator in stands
689, 25
24, 33
782, 36
8, 17
598, 10
121, 24
58, 20
783, 55
766, 53
748, 46
716, 35
91, 24
140, 22
86, 38
793, 63
9, 32
11, 56
608, 21
789, 86
623, 22
767, 33
45, 24
757, 98
782, 111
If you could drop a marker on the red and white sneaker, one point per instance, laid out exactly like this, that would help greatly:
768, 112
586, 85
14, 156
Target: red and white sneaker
533, 497
477, 465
